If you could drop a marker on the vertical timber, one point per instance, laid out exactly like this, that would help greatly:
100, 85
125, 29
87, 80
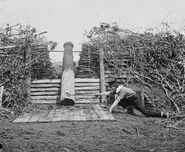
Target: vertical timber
28, 74
67, 80
1, 95
102, 74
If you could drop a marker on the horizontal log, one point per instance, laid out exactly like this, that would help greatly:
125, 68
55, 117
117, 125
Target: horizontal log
88, 88
84, 59
84, 71
44, 93
55, 85
46, 81
58, 80
87, 80
82, 67
82, 101
44, 97
32, 44
92, 92
86, 101
45, 89
86, 97
44, 101
87, 84
83, 76
63, 51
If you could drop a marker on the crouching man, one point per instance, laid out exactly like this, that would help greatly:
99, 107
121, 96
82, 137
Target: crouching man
130, 99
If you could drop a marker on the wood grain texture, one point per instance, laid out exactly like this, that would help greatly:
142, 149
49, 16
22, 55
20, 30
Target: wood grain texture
46, 93
88, 88
57, 115
46, 85
47, 117
34, 117
44, 101
1, 95
45, 81
93, 113
87, 84
45, 89
23, 118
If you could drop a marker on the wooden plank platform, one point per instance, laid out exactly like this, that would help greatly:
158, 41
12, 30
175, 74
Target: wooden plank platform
93, 112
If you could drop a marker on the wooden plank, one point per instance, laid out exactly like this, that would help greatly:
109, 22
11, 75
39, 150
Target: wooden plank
31, 44
82, 80
45, 81
44, 101
44, 89
105, 115
95, 116
58, 115
87, 97
98, 113
77, 80
44, 97
23, 118
88, 88
82, 115
64, 114
88, 114
87, 84
1, 95
90, 92
49, 85
83, 101
48, 117
43, 115
70, 115
34, 117
57, 87
44, 93
77, 116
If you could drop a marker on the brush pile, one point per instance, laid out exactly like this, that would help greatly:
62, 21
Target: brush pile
155, 60
16, 42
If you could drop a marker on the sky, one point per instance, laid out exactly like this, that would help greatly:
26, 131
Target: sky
68, 20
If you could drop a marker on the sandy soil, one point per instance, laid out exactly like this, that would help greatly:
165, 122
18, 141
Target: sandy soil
128, 133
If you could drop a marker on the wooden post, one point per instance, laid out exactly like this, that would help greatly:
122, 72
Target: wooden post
67, 80
1, 95
0, 42
102, 75
28, 75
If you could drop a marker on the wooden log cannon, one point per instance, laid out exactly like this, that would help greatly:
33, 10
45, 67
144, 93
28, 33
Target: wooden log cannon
67, 80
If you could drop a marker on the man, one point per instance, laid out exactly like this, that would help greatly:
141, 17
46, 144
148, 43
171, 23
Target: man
128, 98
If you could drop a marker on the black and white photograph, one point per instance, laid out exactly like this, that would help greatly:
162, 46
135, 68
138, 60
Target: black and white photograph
92, 76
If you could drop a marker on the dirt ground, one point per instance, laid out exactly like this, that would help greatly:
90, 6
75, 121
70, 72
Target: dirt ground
126, 134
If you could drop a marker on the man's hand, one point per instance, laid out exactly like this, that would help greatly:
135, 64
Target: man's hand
113, 105
110, 110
